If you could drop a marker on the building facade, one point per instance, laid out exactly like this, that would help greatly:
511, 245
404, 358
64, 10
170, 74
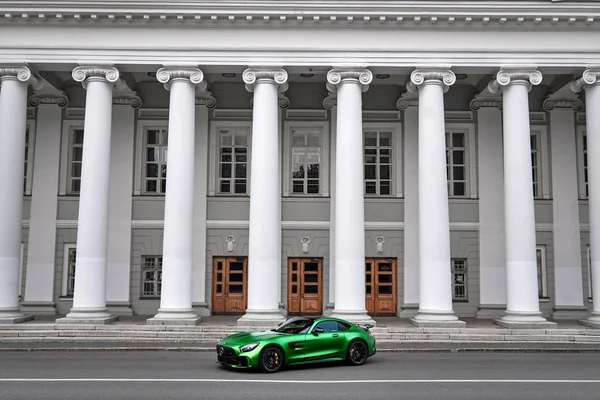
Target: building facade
422, 160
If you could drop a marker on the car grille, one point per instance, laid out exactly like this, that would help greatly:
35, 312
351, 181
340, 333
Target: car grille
224, 351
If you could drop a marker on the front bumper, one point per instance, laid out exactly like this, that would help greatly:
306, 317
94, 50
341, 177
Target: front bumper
231, 357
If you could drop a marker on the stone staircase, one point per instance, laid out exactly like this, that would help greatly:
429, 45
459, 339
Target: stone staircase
140, 334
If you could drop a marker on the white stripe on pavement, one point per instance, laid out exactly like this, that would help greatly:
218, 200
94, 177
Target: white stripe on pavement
209, 380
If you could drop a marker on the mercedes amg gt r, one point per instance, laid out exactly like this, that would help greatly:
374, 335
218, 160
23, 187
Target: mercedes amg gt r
299, 340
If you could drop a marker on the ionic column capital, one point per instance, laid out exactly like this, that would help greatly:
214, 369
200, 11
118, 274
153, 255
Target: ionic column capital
37, 100
590, 77
550, 104
424, 76
490, 102
359, 76
168, 75
21, 74
133, 101
85, 74
506, 77
253, 76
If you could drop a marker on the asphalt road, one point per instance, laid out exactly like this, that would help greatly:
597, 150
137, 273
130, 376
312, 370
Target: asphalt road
175, 375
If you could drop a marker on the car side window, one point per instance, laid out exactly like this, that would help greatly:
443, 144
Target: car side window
342, 327
328, 326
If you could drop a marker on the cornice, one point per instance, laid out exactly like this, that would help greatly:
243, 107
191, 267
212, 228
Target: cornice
323, 13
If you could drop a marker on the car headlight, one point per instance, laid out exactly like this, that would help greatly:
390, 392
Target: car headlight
249, 347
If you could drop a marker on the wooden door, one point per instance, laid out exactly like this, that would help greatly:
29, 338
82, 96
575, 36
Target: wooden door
229, 285
305, 288
381, 292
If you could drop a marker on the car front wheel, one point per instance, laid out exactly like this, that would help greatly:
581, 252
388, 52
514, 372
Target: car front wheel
271, 359
357, 352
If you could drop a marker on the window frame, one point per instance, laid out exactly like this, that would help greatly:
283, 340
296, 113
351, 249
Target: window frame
466, 282
581, 132
30, 154
324, 163
66, 137
65, 270
543, 168
470, 160
156, 258
397, 183
139, 188
544, 268
213, 165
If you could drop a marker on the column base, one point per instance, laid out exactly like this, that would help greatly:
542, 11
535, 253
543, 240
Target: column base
570, 313
88, 316
437, 319
175, 317
409, 310
593, 320
13, 316
266, 318
491, 311
121, 308
201, 309
524, 320
39, 307
356, 317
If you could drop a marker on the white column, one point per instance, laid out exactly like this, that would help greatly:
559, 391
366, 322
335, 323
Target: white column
13, 119
264, 254
522, 302
330, 103
119, 207
89, 298
568, 276
492, 264
435, 288
591, 83
176, 296
410, 302
41, 253
200, 192
349, 194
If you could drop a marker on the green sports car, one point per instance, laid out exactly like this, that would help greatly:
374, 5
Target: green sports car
299, 340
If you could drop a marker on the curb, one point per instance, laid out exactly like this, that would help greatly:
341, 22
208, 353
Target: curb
211, 349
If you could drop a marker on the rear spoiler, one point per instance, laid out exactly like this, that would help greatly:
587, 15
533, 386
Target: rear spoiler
366, 326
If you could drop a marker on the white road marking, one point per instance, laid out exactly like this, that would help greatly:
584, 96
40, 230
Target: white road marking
209, 380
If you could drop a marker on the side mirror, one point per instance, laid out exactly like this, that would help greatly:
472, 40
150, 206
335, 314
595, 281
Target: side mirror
318, 330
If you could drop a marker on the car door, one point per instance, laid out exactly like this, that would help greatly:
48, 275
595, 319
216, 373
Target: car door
324, 341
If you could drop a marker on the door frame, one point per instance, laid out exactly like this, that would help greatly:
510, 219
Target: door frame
226, 260
300, 261
374, 262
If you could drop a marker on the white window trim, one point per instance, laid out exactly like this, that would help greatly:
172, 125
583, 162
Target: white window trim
65, 269
469, 130
466, 298
589, 274
213, 165
542, 131
30, 156
65, 159
138, 178
142, 278
288, 126
580, 133
542, 248
397, 152
21, 264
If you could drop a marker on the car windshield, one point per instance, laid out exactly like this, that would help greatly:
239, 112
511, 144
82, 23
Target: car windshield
295, 325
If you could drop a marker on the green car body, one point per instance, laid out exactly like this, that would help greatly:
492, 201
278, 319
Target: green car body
299, 340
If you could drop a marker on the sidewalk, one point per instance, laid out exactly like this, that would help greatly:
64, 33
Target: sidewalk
392, 334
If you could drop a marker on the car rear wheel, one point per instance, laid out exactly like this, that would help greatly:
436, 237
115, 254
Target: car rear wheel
271, 359
357, 352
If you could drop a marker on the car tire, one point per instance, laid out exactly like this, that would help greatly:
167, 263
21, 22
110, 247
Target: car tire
357, 352
271, 359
